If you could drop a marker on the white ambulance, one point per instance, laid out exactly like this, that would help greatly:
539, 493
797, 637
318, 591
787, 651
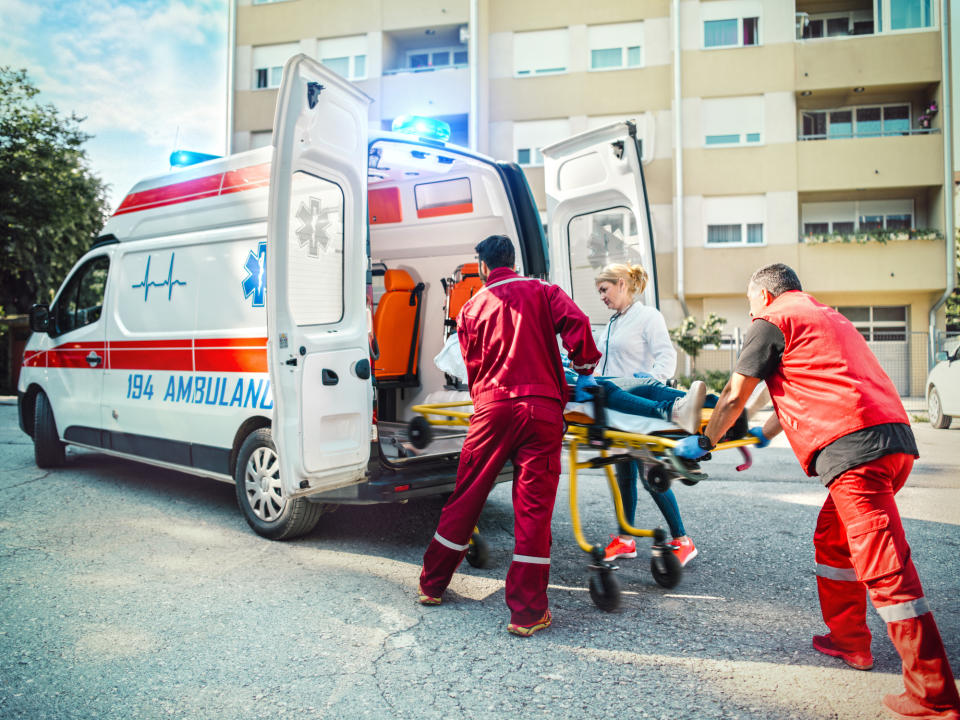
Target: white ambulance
260, 319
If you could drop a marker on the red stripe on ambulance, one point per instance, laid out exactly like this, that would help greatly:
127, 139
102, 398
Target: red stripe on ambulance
248, 178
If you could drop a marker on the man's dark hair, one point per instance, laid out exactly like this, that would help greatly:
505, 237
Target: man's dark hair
496, 251
776, 279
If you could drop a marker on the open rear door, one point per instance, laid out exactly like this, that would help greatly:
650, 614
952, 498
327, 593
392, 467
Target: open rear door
597, 212
316, 265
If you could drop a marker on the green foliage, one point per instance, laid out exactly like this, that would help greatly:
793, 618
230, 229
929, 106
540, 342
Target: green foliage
53, 206
692, 339
953, 302
714, 379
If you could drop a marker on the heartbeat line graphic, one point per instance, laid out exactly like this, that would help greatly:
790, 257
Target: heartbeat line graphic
169, 282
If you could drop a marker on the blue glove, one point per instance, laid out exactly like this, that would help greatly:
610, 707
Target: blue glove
641, 375
689, 448
757, 432
580, 394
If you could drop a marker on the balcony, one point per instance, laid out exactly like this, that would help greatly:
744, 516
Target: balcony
440, 91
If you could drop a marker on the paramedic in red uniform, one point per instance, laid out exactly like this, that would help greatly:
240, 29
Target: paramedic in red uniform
508, 335
845, 422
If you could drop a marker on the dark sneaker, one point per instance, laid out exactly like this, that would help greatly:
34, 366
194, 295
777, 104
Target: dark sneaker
528, 630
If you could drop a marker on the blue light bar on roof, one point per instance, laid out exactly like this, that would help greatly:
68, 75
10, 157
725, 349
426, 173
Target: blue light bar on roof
183, 158
421, 126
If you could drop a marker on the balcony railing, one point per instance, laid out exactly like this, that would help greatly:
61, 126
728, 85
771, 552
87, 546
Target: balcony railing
426, 69
863, 237
870, 134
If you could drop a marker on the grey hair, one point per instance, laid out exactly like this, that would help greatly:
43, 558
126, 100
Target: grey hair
776, 279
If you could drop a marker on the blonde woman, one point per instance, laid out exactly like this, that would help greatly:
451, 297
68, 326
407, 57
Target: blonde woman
638, 357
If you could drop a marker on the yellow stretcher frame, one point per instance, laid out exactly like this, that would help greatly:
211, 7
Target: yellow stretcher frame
577, 434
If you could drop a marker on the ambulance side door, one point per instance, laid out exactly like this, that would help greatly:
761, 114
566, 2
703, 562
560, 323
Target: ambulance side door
316, 268
597, 212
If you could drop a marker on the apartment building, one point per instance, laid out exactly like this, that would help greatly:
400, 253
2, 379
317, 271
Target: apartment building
798, 131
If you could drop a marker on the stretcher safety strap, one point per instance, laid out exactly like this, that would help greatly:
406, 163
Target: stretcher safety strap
532, 559
446, 543
834, 573
904, 611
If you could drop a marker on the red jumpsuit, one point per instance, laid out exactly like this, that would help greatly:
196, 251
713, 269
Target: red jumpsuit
830, 385
508, 334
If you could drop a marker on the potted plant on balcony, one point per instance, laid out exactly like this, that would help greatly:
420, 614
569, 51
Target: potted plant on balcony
929, 112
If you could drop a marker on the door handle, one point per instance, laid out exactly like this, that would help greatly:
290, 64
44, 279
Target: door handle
328, 377
94, 360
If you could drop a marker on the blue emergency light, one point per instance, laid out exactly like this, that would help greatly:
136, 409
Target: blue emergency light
183, 158
425, 127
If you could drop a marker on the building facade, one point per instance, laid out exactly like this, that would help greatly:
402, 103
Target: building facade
798, 131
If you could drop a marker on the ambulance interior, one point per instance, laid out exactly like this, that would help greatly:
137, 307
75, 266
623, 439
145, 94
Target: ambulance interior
428, 207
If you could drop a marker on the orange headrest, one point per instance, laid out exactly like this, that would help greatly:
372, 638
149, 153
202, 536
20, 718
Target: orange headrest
394, 280
470, 269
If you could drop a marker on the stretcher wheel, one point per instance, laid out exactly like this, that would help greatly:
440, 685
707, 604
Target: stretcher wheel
659, 478
691, 481
666, 568
478, 552
604, 590
420, 432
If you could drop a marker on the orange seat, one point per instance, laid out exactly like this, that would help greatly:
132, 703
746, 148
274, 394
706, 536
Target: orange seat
465, 285
396, 326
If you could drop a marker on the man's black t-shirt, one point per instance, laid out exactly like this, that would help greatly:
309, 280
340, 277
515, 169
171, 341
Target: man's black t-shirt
760, 357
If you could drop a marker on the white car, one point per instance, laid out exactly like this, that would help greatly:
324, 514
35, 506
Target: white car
943, 389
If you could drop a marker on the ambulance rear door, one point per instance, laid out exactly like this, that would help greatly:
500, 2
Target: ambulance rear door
316, 266
597, 212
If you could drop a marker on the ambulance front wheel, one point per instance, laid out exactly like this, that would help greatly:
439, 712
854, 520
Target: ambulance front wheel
260, 494
478, 552
48, 451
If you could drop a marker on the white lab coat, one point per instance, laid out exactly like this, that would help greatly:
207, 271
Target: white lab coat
636, 340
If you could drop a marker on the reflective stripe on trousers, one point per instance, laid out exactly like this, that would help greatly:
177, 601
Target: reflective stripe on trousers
836, 573
904, 610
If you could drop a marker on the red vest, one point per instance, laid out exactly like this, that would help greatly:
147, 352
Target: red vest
829, 383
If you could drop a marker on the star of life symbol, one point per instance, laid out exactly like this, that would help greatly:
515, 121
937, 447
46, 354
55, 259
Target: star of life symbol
255, 283
316, 224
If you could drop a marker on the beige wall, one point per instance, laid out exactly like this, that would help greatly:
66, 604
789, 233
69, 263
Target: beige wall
511, 15
740, 71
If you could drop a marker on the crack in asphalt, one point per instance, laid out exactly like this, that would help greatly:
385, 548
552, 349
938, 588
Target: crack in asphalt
26, 482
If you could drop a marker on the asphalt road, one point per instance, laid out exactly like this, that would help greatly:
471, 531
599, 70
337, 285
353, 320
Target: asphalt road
131, 592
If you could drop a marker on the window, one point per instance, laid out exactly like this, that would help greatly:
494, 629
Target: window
429, 58
906, 14
838, 24
530, 136
734, 220
732, 121
731, 32
878, 323
315, 253
598, 239
346, 56
447, 197
541, 52
844, 218
268, 63
81, 301
861, 121
615, 46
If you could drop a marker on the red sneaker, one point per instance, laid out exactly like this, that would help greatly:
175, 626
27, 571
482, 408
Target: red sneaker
861, 660
620, 548
684, 549
528, 630
905, 707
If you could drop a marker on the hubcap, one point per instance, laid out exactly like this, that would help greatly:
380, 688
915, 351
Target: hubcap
262, 484
933, 406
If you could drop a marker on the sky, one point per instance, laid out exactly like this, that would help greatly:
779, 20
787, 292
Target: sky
150, 76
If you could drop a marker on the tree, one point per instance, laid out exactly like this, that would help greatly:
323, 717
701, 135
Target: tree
692, 339
953, 302
53, 205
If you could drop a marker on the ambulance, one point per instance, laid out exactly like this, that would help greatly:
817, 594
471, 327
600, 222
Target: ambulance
269, 318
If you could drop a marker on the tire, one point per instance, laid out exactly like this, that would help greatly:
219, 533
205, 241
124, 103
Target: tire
260, 496
659, 479
48, 450
604, 590
935, 411
666, 568
478, 553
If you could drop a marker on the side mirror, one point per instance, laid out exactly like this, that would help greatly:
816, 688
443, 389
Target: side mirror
40, 318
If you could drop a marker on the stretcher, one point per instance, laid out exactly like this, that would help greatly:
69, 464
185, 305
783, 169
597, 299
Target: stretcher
608, 447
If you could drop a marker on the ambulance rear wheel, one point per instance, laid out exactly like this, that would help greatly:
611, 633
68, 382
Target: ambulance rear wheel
478, 552
261, 497
604, 590
48, 451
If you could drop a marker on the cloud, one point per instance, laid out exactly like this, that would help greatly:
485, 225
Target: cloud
142, 72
